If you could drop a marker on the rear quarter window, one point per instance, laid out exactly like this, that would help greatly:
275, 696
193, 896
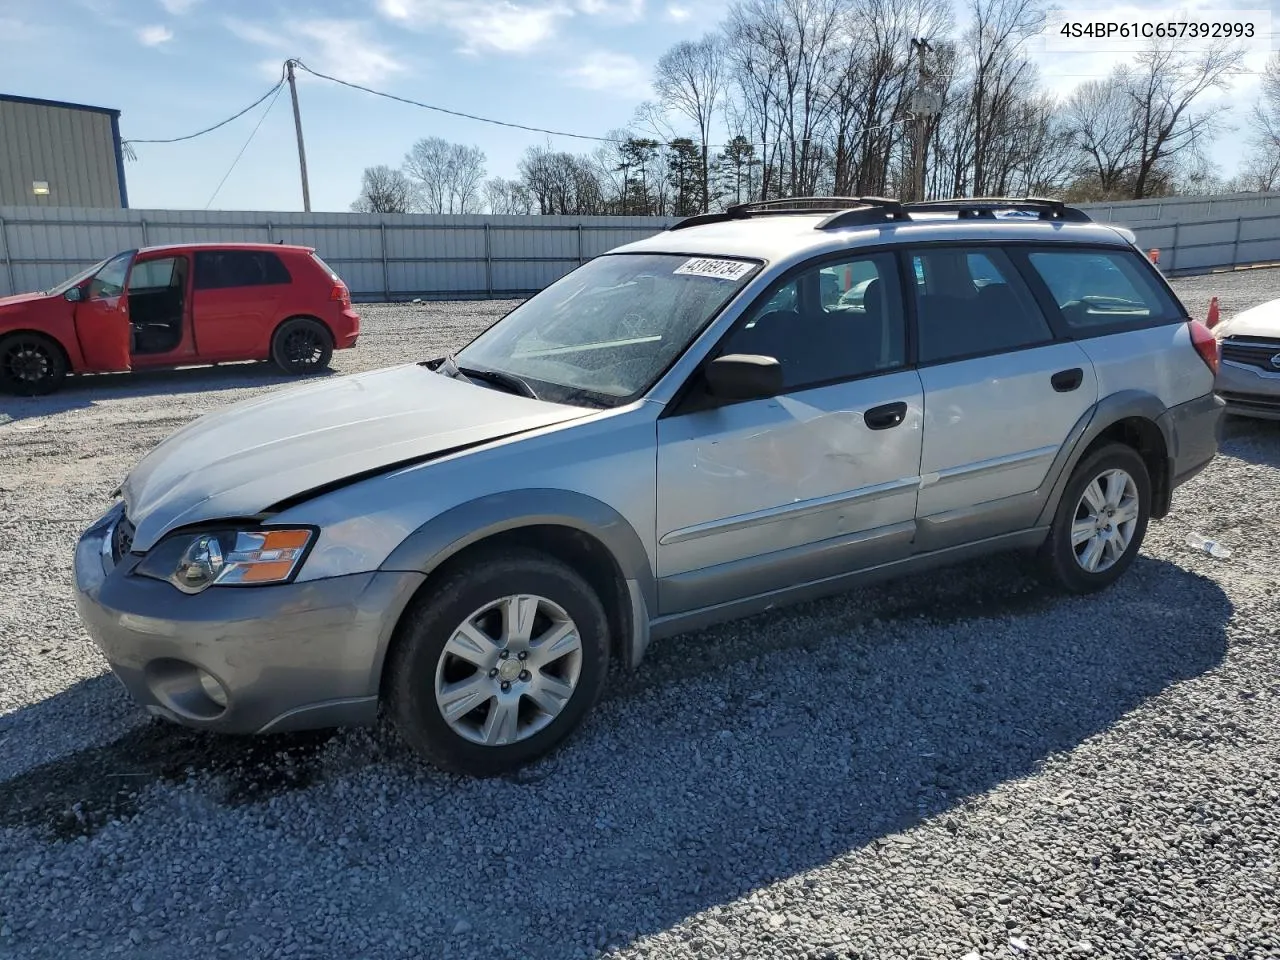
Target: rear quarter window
221, 269
1103, 291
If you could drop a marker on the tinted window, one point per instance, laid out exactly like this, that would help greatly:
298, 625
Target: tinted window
152, 275
1102, 288
833, 322
218, 269
972, 302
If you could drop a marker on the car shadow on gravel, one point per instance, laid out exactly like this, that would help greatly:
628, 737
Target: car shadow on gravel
735, 757
80, 392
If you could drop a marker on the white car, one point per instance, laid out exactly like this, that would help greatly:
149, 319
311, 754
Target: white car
1249, 377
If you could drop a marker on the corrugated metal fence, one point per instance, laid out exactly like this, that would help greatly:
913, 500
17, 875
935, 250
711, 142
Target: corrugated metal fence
380, 256
401, 256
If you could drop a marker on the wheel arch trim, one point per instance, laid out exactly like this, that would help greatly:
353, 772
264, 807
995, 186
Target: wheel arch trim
1110, 410
470, 523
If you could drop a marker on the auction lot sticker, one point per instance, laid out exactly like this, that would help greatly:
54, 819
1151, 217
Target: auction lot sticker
719, 269
1126, 28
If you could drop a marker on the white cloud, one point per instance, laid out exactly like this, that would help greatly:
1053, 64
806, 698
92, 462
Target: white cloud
616, 73
154, 35
493, 25
677, 13
178, 7
343, 48
623, 11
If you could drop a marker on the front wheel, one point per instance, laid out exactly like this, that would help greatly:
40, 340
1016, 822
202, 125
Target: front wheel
1101, 520
30, 365
302, 345
499, 663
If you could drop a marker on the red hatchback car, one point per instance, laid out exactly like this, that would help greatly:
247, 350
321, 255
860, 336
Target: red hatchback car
178, 306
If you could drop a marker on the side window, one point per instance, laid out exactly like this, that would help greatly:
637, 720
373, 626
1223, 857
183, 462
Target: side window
971, 302
109, 281
220, 269
1103, 288
834, 322
152, 275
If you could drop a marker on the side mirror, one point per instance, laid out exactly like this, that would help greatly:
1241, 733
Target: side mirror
73, 294
744, 376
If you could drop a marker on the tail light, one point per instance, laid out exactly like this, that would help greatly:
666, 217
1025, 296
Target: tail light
340, 294
1206, 345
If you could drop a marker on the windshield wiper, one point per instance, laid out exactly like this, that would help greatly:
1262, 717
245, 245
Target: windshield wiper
500, 379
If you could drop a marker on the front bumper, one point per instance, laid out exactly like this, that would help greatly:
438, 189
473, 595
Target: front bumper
287, 657
1249, 391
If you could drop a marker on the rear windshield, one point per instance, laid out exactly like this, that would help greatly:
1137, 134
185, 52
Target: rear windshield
327, 269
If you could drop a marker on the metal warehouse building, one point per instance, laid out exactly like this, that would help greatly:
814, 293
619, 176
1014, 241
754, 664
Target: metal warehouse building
60, 154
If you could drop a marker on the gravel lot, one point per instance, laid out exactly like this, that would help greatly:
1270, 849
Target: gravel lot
962, 765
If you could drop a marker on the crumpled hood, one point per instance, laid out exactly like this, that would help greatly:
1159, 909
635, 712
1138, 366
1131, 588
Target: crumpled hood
239, 461
18, 299
1260, 321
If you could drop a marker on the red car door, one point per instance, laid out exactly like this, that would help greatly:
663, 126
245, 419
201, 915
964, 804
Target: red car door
232, 303
102, 317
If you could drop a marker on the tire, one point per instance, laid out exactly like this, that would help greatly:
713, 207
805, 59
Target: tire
31, 365
302, 345
427, 674
1124, 486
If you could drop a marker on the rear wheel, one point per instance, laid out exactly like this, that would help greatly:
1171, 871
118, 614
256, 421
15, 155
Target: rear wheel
302, 345
31, 365
1101, 520
498, 663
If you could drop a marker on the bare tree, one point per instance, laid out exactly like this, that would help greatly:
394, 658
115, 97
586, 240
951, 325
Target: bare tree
447, 176
1262, 167
561, 183
689, 79
1164, 87
1100, 118
383, 189
507, 197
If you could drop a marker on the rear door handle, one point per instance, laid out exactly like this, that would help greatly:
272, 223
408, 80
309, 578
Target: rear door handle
886, 416
1064, 381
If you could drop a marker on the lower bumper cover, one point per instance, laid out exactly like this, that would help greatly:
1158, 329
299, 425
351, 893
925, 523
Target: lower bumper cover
288, 657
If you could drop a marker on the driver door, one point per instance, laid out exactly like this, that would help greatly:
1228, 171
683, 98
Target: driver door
102, 317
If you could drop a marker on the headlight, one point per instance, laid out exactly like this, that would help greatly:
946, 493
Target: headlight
231, 558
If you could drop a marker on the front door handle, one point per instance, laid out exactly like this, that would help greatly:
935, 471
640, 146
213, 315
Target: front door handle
1064, 381
886, 416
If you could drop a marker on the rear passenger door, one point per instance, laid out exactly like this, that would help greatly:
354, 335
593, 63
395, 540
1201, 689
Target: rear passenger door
234, 302
1001, 394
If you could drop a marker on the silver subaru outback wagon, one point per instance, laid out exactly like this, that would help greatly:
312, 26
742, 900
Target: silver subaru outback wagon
751, 408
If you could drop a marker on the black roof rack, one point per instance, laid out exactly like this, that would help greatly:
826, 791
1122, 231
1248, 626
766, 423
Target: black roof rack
791, 205
1046, 208
864, 211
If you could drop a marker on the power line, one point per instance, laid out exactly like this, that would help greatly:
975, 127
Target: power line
279, 88
455, 113
223, 123
521, 126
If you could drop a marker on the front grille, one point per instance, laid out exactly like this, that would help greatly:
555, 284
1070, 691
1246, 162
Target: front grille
1252, 351
1253, 401
121, 539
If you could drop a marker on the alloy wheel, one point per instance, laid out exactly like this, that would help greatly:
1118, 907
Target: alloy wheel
508, 670
1105, 520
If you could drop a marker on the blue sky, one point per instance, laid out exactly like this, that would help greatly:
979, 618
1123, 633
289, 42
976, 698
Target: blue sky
175, 66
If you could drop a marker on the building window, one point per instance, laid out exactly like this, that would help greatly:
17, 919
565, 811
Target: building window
40, 188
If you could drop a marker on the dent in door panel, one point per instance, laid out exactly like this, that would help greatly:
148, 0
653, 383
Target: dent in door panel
758, 477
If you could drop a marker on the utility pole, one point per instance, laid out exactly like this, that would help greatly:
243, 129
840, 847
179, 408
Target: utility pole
922, 107
297, 126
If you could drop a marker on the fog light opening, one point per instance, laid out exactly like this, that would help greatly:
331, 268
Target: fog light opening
213, 689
